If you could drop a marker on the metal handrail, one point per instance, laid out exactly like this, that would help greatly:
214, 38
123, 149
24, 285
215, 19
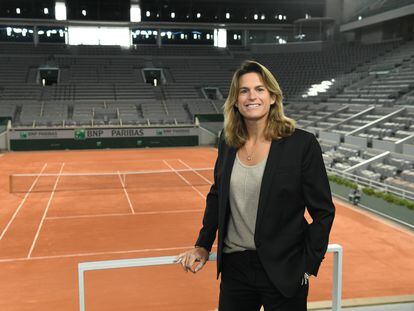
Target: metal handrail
373, 183
168, 260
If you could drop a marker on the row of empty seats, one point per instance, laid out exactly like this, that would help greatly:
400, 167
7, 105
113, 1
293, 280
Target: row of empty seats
143, 112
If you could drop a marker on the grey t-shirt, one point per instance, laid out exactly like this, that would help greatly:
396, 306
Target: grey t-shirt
245, 185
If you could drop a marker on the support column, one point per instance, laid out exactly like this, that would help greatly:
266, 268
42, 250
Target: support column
159, 38
245, 38
35, 36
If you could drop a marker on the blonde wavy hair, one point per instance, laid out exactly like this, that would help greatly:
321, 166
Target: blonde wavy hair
278, 125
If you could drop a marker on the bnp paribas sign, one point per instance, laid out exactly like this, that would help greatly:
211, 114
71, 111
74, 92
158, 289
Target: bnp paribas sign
80, 134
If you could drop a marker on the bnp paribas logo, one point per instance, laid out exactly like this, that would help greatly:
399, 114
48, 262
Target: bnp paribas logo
160, 132
80, 134
23, 135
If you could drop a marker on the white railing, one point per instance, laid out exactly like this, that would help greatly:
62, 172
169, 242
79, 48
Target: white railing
168, 260
373, 184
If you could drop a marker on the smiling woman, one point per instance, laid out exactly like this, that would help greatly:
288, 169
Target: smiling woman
266, 174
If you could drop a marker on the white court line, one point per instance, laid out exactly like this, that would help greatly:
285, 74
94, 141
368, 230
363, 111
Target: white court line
121, 161
126, 193
207, 180
125, 214
22, 202
145, 250
45, 212
186, 181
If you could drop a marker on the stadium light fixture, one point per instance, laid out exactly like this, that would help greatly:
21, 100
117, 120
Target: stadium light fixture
255, 17
18, 11
280, 17
227, 15
46, 11
135, 13
60, 10
148, 14
263, 17
84, 12
359, 17
198, 15
172, 14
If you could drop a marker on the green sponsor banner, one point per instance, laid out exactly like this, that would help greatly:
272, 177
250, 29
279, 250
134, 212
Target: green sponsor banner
80, 134
23, 135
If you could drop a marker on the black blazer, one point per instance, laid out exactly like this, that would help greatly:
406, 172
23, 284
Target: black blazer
294, 178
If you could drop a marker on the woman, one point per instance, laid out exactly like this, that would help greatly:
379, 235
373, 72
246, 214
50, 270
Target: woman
265, 175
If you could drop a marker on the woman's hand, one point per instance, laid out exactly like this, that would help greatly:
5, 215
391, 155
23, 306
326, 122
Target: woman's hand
189, 258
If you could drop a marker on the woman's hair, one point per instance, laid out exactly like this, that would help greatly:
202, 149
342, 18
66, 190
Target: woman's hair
278, 125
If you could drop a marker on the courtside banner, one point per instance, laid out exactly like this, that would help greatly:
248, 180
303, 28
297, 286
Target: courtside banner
88, 133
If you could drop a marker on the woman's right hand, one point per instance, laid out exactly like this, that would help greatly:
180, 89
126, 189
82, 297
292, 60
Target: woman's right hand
189, 259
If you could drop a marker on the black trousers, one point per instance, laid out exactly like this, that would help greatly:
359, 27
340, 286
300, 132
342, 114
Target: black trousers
246, 287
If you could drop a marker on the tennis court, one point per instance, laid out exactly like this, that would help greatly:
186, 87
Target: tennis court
62, 208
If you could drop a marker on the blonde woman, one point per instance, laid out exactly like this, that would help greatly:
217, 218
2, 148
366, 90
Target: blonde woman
267, 172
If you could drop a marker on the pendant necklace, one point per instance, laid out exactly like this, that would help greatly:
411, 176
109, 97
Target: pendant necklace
249, 156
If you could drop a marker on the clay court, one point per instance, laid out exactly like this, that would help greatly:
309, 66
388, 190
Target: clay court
148, 203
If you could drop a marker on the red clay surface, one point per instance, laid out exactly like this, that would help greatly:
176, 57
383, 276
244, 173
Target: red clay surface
44, 235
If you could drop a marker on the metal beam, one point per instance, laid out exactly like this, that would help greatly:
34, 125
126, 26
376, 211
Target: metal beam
371, 124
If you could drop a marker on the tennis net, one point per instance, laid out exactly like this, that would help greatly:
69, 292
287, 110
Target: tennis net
22, 183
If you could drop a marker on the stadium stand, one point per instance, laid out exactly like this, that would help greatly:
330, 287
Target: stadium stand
369, 100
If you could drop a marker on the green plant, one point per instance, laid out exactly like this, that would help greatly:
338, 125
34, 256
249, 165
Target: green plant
391, 198
342, 181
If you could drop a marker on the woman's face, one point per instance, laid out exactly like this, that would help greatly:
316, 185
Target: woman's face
254, 99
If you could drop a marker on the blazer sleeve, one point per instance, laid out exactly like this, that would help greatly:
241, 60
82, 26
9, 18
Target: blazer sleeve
209, 228
318, 200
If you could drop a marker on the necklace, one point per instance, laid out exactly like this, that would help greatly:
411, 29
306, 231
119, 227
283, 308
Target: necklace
249, 156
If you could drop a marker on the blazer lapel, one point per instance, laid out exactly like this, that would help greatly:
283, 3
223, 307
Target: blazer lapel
273, 160
229, 158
